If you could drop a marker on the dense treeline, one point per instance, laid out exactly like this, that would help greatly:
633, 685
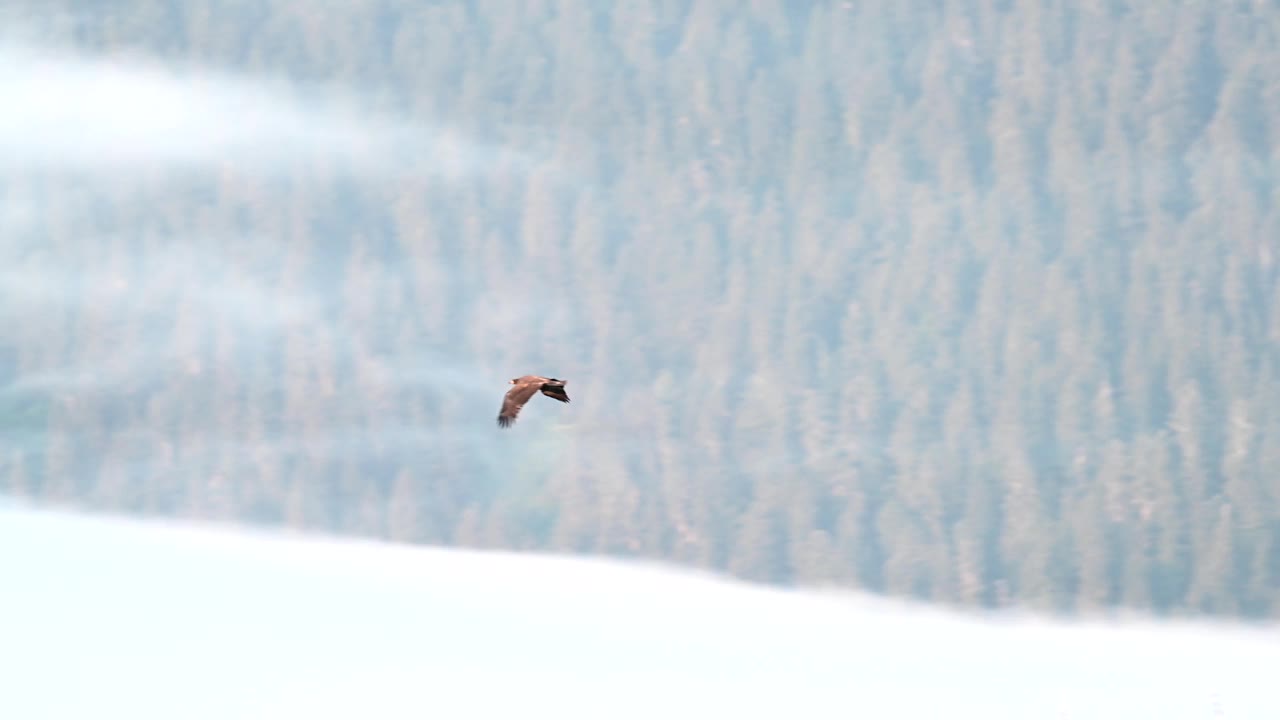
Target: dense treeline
975, 302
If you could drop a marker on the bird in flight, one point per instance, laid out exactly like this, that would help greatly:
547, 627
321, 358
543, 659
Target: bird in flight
524, 388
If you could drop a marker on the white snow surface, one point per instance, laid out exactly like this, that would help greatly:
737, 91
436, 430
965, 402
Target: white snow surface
118, 618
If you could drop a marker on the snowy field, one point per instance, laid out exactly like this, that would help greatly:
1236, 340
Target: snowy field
108, 618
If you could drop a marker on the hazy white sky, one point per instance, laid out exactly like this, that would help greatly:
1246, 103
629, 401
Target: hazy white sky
108, 618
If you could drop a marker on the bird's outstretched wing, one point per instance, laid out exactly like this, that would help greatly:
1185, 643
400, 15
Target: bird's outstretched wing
515, 399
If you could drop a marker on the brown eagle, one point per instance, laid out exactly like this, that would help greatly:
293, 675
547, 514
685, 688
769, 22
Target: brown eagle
525, 388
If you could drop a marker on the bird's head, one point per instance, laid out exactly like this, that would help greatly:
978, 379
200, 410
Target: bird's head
512, 381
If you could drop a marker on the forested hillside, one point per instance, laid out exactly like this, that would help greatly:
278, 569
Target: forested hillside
976, 302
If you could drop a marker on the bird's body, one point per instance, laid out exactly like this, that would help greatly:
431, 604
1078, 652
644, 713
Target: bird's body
524, 388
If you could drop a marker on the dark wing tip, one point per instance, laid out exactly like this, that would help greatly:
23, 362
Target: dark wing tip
556, 393
504, 421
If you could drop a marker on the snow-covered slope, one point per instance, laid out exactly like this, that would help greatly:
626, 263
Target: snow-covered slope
111, 618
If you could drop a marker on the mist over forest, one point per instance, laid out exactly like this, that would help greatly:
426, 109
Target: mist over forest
973, 303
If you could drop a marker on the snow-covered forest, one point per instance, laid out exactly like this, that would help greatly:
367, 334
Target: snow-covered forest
975, 302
